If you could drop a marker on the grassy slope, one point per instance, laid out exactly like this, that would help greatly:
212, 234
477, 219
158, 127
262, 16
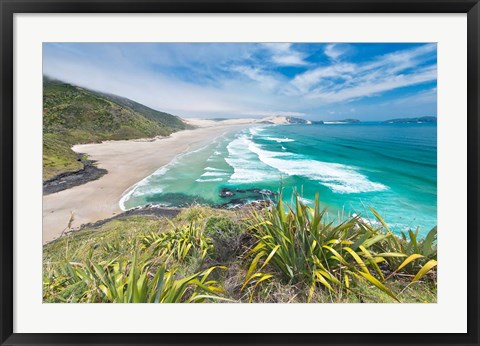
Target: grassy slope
119, 241
58, 158
74, 115
166, 119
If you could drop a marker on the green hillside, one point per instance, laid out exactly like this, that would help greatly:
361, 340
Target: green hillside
73, 115
166, 119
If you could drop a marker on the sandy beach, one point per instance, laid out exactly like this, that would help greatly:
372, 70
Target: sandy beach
127, 163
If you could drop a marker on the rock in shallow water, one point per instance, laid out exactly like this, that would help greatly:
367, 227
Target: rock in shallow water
226, 192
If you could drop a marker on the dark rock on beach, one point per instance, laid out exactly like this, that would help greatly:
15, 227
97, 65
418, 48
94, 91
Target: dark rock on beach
67, 180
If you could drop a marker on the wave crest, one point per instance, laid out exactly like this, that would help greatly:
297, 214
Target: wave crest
338, 177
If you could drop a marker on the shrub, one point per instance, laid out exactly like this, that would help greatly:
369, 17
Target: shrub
225, 235
221, 228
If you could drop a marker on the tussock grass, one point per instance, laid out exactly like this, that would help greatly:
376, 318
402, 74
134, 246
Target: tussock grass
284, 253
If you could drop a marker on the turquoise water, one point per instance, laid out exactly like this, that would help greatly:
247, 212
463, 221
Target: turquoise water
391, 167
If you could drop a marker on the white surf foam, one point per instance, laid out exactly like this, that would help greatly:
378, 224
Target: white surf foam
144, 186
212, 169
214, 174
280, 140
140, 188
246, 166
208, 180
256, 131
305, 200
339, 178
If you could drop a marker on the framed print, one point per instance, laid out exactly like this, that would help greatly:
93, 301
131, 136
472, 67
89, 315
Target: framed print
268, 172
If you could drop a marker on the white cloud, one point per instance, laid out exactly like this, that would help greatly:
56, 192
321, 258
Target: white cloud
288, 60
341, 82
306, 80
156, 91
283, 54
264, 79
229, 80
378, 85
230, 97
335, 50
402, 60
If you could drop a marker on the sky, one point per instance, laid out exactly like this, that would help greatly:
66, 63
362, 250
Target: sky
316, 81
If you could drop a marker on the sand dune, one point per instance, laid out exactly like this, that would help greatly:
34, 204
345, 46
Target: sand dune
216, 123
280, 120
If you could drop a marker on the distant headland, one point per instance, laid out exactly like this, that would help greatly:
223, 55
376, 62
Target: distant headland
412, 120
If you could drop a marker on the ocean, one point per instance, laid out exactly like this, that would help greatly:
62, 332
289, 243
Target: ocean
390, 167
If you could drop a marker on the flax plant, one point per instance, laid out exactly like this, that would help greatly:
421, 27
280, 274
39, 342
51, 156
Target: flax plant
296, 245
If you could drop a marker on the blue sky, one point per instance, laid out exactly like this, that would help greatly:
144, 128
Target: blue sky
322, 81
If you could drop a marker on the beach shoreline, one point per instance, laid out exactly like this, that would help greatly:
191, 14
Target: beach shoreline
127, 162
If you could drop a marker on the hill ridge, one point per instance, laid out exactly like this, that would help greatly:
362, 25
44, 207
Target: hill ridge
76, 115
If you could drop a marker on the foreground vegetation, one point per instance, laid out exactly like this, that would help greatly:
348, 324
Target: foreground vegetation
73, 115
282, 254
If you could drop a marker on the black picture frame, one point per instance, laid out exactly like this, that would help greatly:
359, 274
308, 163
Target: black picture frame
10, 7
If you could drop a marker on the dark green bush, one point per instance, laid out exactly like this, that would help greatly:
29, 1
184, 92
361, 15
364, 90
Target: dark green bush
226, 236
221, 227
